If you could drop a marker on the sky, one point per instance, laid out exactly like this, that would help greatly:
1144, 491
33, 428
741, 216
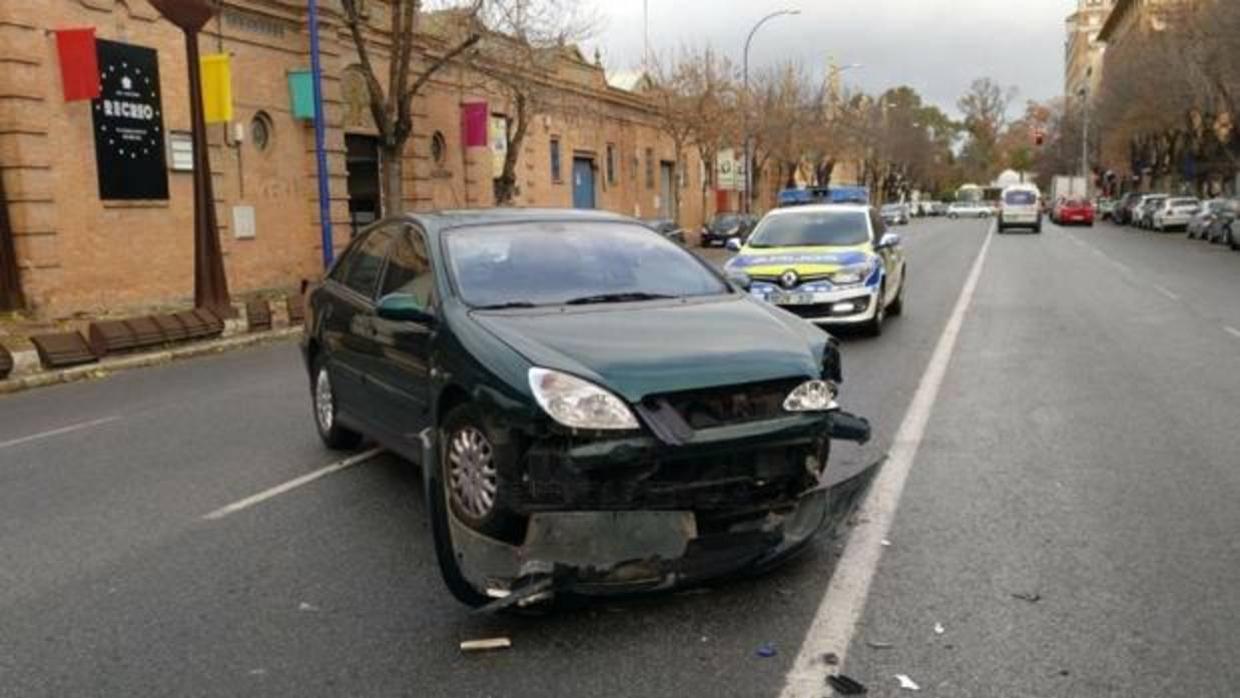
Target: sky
937, 47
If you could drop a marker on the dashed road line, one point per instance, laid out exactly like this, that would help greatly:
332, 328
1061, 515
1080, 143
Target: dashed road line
841, 607
1166, 292
1232, 331
57, 432
293, 484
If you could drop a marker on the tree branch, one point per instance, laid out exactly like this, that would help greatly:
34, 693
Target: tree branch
378, 106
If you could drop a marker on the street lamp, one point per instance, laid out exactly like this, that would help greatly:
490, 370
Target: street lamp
745, 72
1084, 95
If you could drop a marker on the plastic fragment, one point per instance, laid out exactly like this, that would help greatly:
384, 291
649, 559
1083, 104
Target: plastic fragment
938, 629
830, 658
885, 543
906, 683
766, 649
876, 645
303, 606
1032, 597
846, 686
491, 643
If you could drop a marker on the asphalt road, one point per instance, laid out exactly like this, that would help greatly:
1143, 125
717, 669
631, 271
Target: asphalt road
1083, 448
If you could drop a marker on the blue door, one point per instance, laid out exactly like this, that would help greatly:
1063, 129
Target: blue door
583, 183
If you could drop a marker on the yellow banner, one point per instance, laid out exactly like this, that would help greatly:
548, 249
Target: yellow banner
217, 88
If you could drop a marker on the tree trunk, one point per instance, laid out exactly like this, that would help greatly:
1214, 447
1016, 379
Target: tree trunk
11, 296
391, 178
506, 184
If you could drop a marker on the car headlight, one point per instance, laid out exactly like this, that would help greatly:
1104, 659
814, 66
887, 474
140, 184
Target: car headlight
852, 275
579, 404
811, 396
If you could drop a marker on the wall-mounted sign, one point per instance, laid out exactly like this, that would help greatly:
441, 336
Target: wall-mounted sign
129, 124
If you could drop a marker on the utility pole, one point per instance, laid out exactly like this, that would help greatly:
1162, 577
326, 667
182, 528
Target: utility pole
1085, 138
745, 204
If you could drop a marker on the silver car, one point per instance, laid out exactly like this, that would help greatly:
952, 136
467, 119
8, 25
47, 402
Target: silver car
1174, 213
1142, 215
1199, 226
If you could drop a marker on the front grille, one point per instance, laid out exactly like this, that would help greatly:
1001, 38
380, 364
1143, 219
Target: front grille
820, 310
734, 404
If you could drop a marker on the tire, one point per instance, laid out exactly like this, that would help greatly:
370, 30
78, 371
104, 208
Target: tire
874, 327
1232, 242
445, 552
1037, 229
323, 400
897, 306
478, 464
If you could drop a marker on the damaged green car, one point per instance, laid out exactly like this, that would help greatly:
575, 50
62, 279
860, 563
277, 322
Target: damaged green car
596, 409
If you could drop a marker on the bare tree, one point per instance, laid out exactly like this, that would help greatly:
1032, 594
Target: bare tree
985, 108
707, 81
392, 106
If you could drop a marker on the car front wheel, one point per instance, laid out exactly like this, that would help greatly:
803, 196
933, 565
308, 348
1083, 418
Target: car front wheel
479, 465
874, 327
323, 394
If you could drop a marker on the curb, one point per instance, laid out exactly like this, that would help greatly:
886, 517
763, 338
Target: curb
108, 366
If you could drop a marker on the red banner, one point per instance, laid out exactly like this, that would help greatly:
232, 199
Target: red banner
474, 124
79, 64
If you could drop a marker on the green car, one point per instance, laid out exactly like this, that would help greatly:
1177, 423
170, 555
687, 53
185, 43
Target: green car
595, 409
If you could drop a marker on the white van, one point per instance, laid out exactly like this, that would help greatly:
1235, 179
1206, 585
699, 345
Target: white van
1020, 207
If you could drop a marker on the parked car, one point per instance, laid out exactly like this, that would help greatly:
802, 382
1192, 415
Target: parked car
1105, 208
1174, 213
968, 209
939, 208
1143, 214
581, 394
832, 265
667, 228
1126, 208
1020, 208
726, 226
895, 214
1199, 225
1222, 229
1074, 212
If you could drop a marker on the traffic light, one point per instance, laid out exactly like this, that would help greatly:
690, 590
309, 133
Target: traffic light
1039, 138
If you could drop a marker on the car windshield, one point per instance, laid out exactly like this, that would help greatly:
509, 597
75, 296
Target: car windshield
537, 264
813, 229
1184, 202
725, 222
1020, 198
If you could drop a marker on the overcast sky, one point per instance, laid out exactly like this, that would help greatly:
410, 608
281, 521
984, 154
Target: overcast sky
936, 46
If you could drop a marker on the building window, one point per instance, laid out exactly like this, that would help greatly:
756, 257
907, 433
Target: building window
260, 131
555, 160
650, 168
611, 163
439, 148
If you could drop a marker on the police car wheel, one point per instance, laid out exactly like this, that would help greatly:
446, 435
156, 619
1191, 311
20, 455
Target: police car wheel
874, 327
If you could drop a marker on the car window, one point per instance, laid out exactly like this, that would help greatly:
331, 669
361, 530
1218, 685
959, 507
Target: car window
364, 262
822, 228
1020, 198
409, 268
555, 263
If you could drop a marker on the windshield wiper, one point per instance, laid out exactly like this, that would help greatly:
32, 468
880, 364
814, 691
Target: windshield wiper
617, 298
506, 306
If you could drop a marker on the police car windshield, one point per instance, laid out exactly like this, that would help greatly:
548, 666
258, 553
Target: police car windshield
812, 229
537, 264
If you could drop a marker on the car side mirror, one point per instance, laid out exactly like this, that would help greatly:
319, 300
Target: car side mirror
403, 307
734, 244
739, 279
888, 240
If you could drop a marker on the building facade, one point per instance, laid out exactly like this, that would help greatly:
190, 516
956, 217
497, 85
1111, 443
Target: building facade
79, 251
1083, 48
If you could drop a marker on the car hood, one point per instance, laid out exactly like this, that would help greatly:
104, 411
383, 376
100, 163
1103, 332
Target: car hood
806, 261
640, 349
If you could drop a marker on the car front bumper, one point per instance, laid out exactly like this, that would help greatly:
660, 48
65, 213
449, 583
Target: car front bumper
841, 307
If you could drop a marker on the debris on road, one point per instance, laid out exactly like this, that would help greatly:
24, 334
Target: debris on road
885, 543
766, 649
486, 645
308, 607
830, 658
1032, 597
939, 629
876, 645
906, 683
846, 686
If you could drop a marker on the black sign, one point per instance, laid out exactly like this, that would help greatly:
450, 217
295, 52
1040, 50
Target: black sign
129, 124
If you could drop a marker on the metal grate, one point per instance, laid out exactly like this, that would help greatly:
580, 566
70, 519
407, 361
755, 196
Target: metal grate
258, 315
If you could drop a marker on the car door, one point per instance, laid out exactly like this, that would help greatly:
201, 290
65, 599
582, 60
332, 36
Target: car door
400, 380
893, 257
348, 322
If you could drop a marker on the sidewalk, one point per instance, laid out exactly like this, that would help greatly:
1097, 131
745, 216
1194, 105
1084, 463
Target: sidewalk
29, 373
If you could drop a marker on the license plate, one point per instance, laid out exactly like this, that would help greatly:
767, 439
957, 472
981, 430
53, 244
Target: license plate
795, 299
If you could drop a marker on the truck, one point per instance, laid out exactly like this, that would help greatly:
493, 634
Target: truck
1067, 187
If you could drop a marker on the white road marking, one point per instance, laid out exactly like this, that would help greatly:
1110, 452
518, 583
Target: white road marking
292, 484
1232, 331
57, 432
1166, 292
844, 601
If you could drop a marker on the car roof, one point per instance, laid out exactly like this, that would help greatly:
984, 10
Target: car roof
819, 208
437, 221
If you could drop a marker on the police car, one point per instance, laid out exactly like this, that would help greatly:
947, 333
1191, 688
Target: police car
830, 264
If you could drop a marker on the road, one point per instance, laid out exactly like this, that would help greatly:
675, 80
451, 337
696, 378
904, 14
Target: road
1081, 449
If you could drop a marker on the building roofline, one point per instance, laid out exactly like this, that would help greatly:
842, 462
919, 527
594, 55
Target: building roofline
1113, 19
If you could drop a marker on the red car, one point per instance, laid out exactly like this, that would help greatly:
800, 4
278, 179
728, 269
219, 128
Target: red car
1074, 211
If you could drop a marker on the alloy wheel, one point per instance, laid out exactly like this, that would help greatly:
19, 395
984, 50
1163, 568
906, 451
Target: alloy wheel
324, 405
472, 477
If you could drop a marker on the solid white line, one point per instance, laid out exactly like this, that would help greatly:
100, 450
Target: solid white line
842, 604
57, 432
1232, 331
292, 484
1166, 292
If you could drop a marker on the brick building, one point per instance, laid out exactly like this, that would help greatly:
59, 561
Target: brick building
1083, 49
80, 253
